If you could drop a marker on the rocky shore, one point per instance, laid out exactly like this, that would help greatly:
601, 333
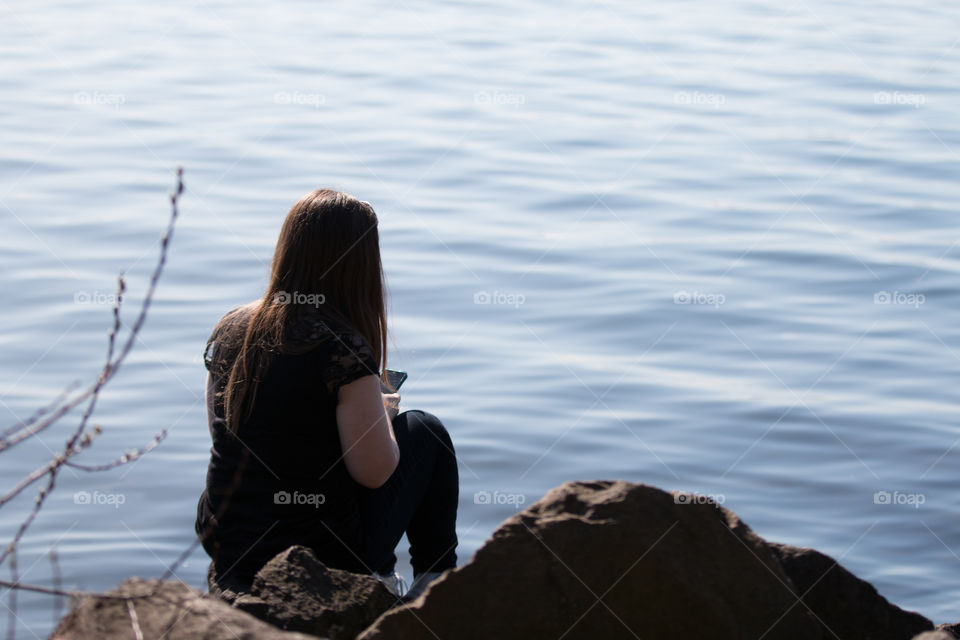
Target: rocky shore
588, 560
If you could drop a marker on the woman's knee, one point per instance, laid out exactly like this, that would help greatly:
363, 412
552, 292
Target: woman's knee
426, 425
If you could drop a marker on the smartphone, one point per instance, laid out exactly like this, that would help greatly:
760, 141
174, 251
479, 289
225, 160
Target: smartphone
395, 380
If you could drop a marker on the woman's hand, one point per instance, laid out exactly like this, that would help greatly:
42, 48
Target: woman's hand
391, 403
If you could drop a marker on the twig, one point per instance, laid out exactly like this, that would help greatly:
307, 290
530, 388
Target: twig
37, 474
36, 588
137, 632
57, 582
12, 618
29, 428
42, 411
59, 460
80, 439
25, 586
124, 459
41, 496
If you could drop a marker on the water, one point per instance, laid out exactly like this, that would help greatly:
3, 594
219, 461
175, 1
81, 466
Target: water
554, 182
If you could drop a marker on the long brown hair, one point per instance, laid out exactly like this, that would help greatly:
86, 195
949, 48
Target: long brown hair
328, 253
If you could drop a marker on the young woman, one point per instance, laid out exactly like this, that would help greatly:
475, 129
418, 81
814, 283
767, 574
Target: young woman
307, 450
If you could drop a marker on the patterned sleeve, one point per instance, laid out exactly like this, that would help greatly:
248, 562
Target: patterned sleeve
222, 344
348, 357
208, 357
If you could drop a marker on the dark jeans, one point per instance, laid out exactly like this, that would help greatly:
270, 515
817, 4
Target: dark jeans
420, 498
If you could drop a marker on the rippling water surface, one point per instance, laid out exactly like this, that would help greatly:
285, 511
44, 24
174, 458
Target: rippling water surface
707, 246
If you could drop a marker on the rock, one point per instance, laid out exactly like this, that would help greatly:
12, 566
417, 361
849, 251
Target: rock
251, 604
611, 560
169, 610
226, 588
939, 634
844, 605
299, 593
951, 628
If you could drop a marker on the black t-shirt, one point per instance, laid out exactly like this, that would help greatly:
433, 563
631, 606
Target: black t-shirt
281, 480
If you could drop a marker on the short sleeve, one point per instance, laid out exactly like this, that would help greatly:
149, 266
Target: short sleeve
214, 359
208, 356
349, 358
224, 341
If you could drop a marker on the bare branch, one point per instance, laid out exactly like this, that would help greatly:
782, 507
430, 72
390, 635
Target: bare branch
124, 459
12, 607
81, 438
39, 413
29, 428
134, 621
57, 581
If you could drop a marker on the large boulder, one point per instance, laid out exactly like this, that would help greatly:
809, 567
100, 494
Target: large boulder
844, 605
170, 610
297, 592
611, 560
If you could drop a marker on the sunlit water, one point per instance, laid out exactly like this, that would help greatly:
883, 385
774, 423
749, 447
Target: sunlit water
643, 241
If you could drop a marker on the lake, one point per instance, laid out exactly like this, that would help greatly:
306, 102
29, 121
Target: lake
705, 246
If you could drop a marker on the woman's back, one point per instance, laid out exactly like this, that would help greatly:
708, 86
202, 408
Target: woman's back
281, 479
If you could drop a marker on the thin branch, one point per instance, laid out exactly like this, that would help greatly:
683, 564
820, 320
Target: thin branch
80, 439
38, 503
110, 369
61, 460
35, 588
24, 586
57, 584
40, 472
42, 411
124, 459
134, 621
12, 618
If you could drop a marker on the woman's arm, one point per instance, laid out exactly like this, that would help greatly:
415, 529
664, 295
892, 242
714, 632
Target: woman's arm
369, 446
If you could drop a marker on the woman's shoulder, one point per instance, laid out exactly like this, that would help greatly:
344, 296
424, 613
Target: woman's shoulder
312, 326
226, 337
342, 350
342, 353
236, 316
